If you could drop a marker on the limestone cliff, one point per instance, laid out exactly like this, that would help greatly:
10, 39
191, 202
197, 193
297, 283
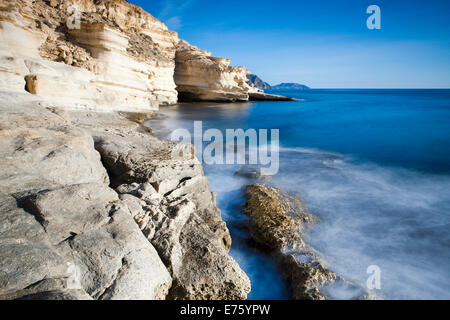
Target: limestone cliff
201, 77
118, 58
108, 55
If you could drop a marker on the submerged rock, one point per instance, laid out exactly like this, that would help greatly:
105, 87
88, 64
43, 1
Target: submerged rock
251, 173
278, 222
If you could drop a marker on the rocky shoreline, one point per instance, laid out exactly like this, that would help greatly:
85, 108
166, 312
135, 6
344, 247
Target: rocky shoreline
67, 233
92, 204
278, 223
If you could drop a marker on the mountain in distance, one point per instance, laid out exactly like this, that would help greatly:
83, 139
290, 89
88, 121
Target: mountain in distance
290, 86
257, 82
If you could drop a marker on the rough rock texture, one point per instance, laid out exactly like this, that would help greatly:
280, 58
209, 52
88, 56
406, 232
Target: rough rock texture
40, 149
118, 58
64, 234
163, 185
107, 55
277, 223
158, 235
201, 77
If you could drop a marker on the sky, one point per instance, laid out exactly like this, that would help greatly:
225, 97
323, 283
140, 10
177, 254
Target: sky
320, 43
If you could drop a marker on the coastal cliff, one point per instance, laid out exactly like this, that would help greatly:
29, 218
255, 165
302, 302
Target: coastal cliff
109, 55
118, 58
199, 76
92, 204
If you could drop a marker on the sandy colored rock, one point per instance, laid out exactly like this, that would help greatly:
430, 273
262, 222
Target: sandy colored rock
116, 73
64, 232
278, 223
201, 77
207, 272
71, 229
118, 262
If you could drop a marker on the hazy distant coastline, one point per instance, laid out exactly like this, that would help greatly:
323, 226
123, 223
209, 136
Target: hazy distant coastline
257, 82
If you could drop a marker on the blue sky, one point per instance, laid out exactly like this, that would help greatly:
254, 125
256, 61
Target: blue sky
321, 43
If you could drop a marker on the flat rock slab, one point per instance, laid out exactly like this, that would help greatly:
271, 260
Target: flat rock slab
26, 254
71, 210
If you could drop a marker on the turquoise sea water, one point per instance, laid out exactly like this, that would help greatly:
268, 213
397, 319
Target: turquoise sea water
374, 165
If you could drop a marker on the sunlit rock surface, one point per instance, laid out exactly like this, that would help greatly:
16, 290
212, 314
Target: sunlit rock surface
118, 58
92, 205
201, 77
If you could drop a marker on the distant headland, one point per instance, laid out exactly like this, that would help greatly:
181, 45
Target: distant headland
257, 82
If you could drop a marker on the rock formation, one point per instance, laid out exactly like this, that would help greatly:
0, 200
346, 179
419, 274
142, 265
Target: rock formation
278, 222
118, 58
66, 234
92, 205
199, 76
254, 81
108, 55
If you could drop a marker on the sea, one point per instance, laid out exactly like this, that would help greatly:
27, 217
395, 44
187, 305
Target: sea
373, 165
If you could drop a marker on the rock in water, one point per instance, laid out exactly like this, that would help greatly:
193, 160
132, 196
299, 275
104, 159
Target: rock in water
278, 221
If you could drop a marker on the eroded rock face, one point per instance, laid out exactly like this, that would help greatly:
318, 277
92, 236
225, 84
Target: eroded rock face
119, 57
109, 55
277, 223
201, 77
169, 199
64, 234
195, 255
41, 150
159, 235
27, 255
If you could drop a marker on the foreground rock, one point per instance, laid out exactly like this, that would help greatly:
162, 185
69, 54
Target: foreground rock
277, 223
63, 231
66, 234
169, 198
